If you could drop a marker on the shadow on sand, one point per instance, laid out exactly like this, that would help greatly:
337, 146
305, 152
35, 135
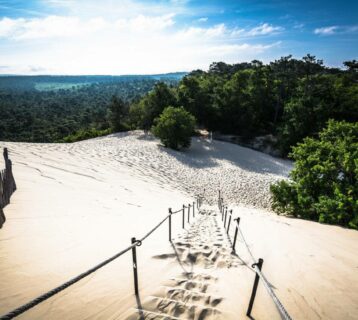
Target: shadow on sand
205, 154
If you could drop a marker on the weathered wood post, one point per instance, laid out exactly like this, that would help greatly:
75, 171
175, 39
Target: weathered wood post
2, 205
225, 218
135, 267
2, 218
6, 155
183, 216
170, 225
189, 213
228, 226
235, 236
254, 288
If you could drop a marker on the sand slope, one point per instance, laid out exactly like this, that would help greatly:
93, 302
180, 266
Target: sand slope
77, 204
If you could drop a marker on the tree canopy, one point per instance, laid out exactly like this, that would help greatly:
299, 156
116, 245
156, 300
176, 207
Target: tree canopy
174, 127
288, 98
324, 185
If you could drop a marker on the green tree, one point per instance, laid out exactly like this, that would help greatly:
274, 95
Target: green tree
324, 181
155, 102
174, 127
117, 112
308, 111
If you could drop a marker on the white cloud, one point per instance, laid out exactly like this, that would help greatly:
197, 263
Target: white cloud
331, 30
196, 32
117, 9
8, 26
352, 29
49, 27
203, 19
264, 29
326, 30
238, 32
146, 23
58, 26
139, 44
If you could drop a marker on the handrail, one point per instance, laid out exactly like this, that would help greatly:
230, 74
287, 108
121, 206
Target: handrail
155, 228
25, 307
16, 312
256, 266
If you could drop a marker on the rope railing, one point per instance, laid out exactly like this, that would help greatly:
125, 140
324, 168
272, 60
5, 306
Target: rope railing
16, 312
256, 264
135, 242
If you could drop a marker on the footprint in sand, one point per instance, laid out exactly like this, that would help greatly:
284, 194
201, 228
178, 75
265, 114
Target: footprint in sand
188, 296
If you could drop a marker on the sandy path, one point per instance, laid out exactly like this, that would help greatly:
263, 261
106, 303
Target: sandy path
201, 251
80, 203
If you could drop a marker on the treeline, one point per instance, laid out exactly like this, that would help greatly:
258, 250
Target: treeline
27, 114
288, 98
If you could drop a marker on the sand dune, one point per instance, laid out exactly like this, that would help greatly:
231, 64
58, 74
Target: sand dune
79, 203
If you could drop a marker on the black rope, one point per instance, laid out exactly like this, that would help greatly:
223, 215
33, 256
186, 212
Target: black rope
155, 228
283, 312
14, 313
276, 300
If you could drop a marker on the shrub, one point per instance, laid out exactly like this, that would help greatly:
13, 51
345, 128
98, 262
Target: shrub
174, 127
86, 134
324, 181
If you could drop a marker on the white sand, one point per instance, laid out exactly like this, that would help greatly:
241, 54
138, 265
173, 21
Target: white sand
77, 204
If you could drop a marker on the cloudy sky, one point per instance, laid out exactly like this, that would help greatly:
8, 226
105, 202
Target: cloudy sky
142, 37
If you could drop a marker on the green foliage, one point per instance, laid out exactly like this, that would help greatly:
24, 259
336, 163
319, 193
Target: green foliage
27, 114
174, 127
117, 113
152, 105
288, 98
324, 184
86, 134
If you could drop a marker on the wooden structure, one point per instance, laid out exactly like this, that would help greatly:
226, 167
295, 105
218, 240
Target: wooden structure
7, 186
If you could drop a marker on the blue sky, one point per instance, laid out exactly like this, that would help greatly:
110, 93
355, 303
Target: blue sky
141, 37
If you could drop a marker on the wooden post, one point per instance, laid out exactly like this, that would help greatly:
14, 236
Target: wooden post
228, 226
183, 216
235, 236
225, 218
223, 214
170, 225
6, 154
135, 267
189, 213
254, 288
2, 218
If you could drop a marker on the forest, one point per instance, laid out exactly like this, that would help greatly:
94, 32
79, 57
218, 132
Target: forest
51, 108
288, 98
